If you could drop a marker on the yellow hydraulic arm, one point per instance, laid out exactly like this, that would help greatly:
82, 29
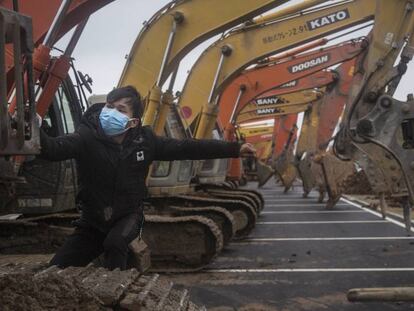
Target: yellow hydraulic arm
229, 56
170, 34
287, 104
247, 131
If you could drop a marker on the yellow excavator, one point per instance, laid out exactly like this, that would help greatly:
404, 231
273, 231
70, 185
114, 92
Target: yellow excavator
227, 64
171, 33
204, 125
267, 33
207, 81
218, 171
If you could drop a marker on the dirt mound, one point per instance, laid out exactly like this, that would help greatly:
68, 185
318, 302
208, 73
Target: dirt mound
50, 292
357, 183
24, 287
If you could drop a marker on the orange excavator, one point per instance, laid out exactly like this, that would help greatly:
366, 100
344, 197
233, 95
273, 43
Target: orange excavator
255, 82
318, 126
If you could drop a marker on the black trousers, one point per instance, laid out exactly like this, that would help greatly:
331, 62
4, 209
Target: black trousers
87, 243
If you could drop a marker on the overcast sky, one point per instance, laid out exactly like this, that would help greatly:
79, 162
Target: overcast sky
111, 32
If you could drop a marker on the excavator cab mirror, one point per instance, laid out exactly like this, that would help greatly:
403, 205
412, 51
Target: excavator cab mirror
86, 81
407, 127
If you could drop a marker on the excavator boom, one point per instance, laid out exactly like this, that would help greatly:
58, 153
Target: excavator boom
284, 75
176, 29
218, 66
287, 104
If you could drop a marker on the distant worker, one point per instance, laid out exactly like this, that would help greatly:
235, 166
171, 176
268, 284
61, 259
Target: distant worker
114, 153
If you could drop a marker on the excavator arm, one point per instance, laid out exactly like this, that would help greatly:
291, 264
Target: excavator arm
285, 104
378, 120
176, 29
169, 35
285, 75
312, 81
241, 48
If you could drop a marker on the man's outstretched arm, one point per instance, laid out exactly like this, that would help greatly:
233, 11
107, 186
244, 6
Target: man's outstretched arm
60, 148
168, 149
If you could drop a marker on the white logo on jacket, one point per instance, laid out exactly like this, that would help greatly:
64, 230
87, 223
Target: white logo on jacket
140, 156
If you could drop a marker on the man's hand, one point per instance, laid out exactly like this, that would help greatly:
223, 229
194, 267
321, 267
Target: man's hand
247, 150
39, 120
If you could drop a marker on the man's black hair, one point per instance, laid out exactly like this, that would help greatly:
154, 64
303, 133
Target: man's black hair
127, 92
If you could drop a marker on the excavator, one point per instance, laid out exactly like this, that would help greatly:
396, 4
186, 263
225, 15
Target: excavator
318, 126
376, 123
227, 66
245, 207
185, 31
255, 82
210, 189
317, 133
316, 24
210, 82
341, 15
203, 128
317, 129
238, 92
380, 125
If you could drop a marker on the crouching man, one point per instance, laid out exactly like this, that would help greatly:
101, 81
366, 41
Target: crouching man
113, 153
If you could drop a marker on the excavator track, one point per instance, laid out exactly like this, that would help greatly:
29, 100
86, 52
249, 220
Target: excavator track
244, 214
221, 188
190, 242
235, 195
181, 244
255, 195
26, 286
221, 217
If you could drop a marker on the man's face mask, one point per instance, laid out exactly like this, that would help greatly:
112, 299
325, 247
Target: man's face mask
113, 122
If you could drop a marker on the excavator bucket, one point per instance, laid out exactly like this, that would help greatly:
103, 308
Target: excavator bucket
335, 172
285, 169
320, 185
264, 173
304, 167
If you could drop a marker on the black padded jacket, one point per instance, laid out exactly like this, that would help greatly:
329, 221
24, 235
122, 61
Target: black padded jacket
111, 175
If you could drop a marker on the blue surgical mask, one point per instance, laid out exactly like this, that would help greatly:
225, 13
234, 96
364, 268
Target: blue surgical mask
113, 122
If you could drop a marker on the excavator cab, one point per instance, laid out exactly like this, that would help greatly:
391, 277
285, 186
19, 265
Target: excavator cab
171, 177
48, 187
215, 170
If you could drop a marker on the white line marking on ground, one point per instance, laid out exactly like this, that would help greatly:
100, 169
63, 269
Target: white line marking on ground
309, 270
312, 212
302, 204
319, 222
395, 222
255, 240
267, 202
